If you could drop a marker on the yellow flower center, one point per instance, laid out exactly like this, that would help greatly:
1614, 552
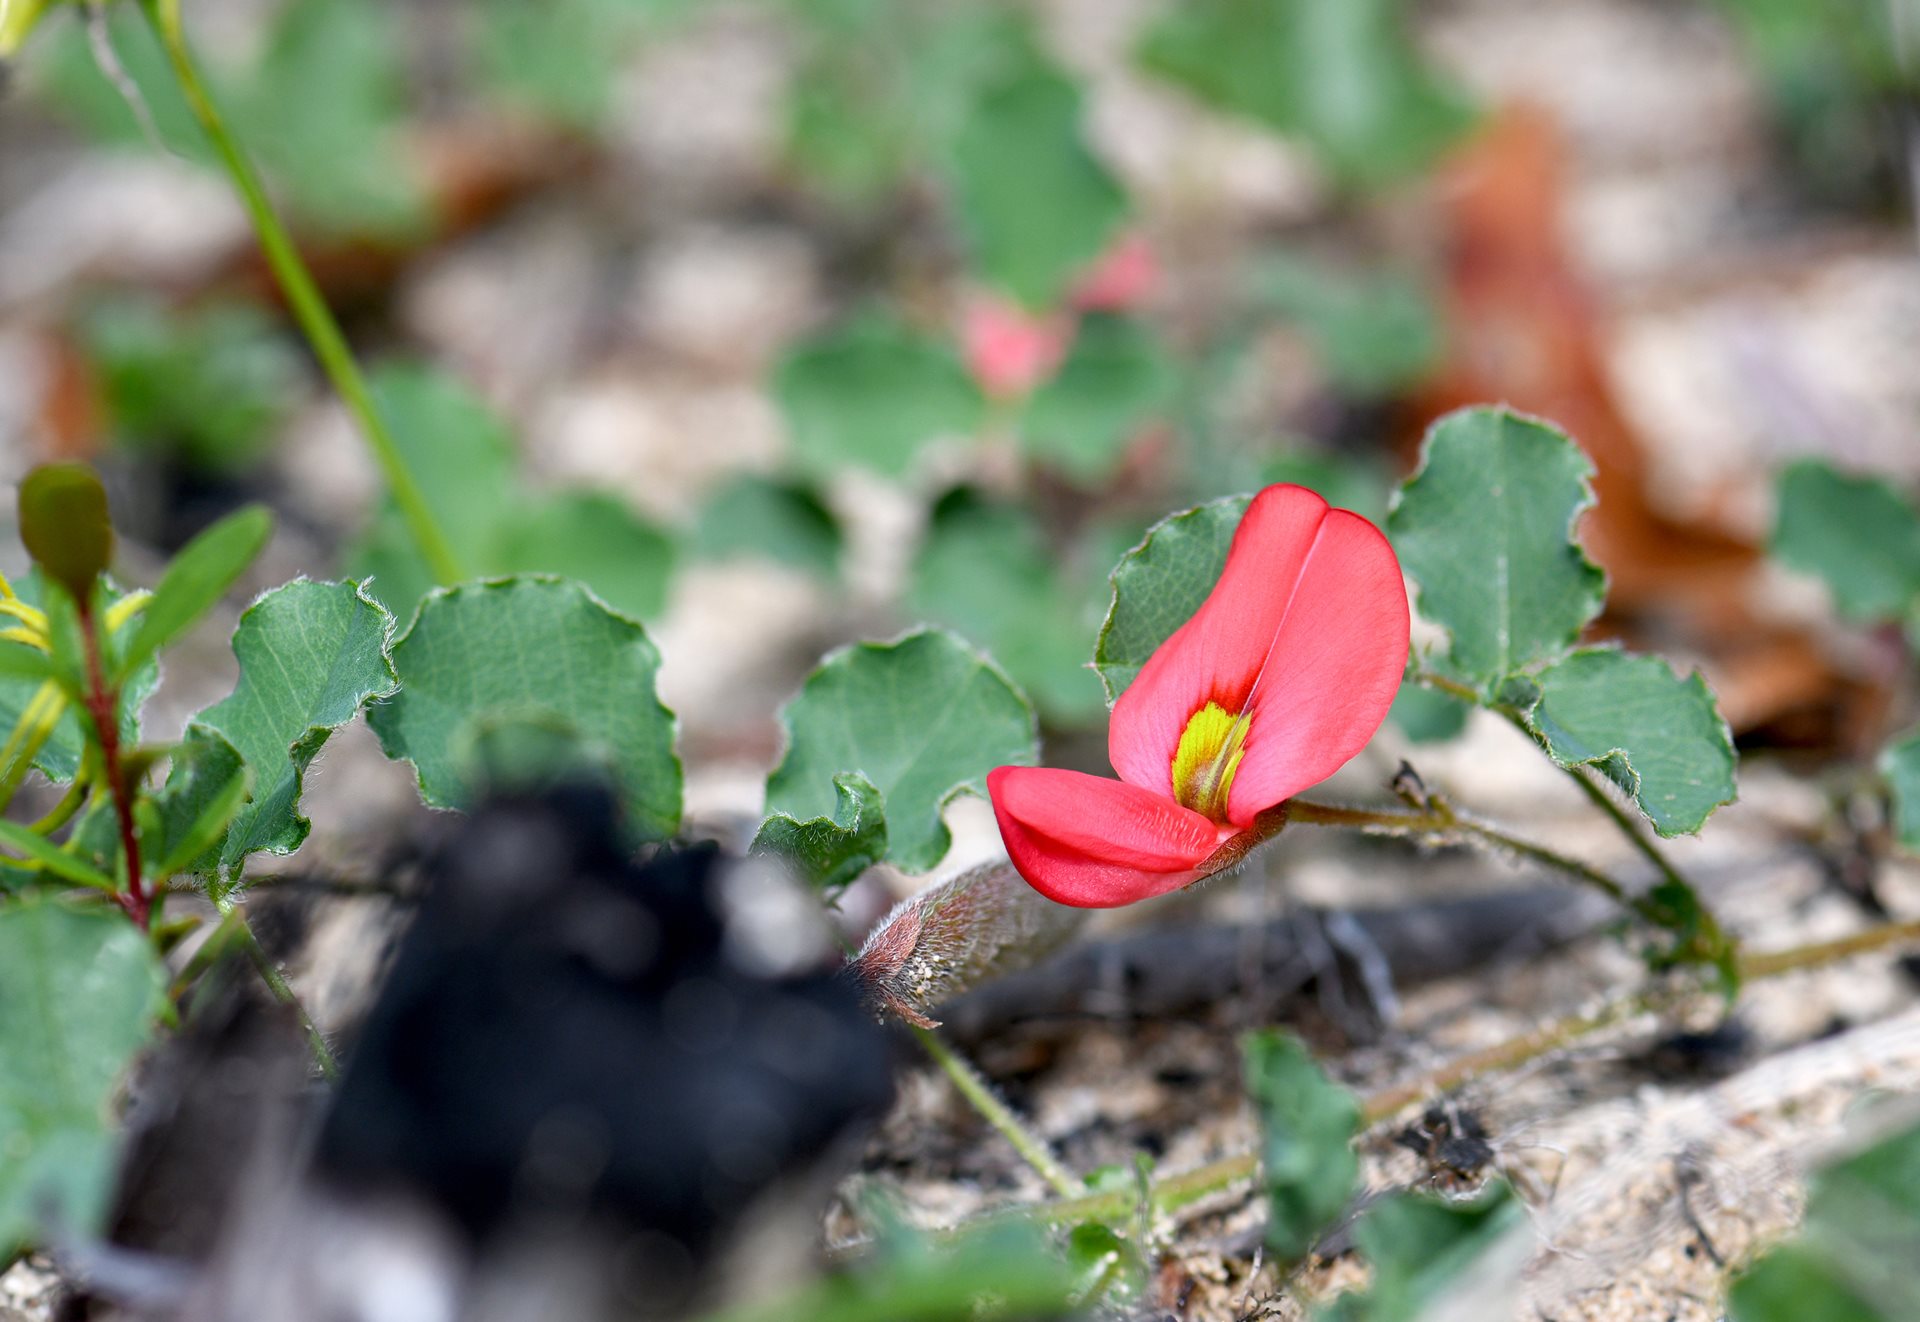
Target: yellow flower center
1209, 753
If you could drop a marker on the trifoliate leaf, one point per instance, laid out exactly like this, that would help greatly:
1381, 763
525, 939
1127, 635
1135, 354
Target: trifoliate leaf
81, 990
923, 719
1035, 204
1307, 1124
1485, 528
872, 393
1159, 584
829, 853
1658, 737
531, 649
310, 655
1343, 77
1857, 533
1115, 380
785, 522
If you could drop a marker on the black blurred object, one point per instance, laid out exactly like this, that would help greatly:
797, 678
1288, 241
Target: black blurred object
1710, 1053
565, 1040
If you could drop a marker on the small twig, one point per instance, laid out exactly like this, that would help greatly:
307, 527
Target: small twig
103, 705
100, 38
1031, 1147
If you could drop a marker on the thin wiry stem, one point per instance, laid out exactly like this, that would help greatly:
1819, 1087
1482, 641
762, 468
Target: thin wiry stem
1031, 1147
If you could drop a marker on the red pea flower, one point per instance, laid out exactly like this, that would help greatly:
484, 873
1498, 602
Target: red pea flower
1280, 677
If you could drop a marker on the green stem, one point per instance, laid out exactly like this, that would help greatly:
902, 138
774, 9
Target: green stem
998, 1114
62, 812
304, 298
1170, 1195
277, 984
1439, 820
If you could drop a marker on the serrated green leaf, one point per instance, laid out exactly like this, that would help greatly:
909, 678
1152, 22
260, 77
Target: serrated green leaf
1036, 206
830, 853
207, 786
1900, 764
1420, 1247
310, 655
81, 991
1115, 380
987, 571
593, 537
1344, 77
923, 719
1853, 1257
1856, 532
782, 521
531, 649
1307, 1124
1159, 584
1485, 528
195, 579
872, 393
1658, 737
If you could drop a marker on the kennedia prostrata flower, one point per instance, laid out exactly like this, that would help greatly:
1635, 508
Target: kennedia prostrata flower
1280, 677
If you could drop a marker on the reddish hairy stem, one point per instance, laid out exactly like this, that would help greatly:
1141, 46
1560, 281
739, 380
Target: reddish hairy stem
103, 705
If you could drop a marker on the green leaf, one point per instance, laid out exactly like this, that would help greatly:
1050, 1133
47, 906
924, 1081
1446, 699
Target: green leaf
872, 393
59, 757
28, 844
1159, 584
1485, 528
987, 571
1428, 716
1114, 381
1307, 1125
18, 661
462, 455
923, 719
64, 525
830, 853
310, 655
1344, 77
197, 578
207, 786
1419, 1247
1853, 1256
325, 108
562, 58
594, 537
1658, 737
531, 649
1900, 764
81, 991
1376, 333
208, 386
785, 522
1035, 204
1856, 532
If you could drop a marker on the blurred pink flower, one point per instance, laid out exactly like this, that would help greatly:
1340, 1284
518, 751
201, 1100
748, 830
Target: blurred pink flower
1121, 279
1009, 350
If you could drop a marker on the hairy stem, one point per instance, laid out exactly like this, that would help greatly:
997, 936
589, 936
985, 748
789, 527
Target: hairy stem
304, 298
1179, 1191
277, 984
1031, 1147
103, 705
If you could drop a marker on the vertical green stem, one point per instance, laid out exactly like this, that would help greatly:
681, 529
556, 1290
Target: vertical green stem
304, 298
277, 984
997, 1113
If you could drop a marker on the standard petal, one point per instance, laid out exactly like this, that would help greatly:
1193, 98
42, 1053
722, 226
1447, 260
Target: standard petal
1306, 631
1097, 843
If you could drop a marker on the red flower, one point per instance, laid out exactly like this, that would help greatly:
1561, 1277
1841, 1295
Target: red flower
1280, 677
1121, 278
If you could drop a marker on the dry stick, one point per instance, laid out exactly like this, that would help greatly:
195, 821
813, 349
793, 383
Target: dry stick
308, 305
1172, 1194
